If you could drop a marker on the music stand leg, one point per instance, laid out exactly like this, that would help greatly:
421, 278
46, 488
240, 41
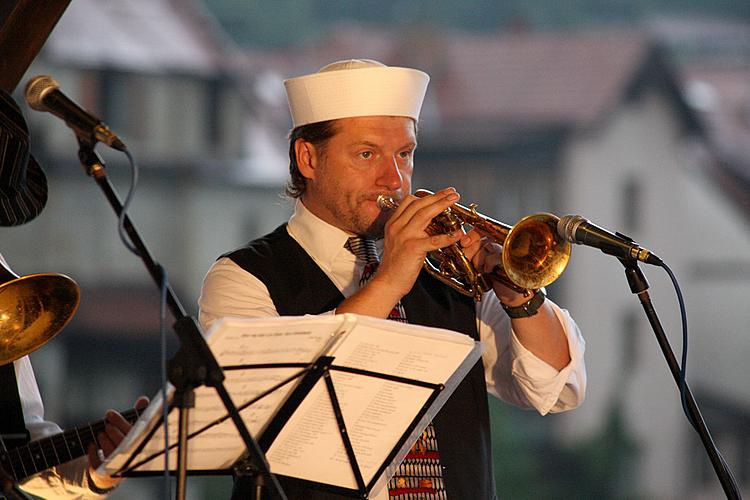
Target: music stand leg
186, 401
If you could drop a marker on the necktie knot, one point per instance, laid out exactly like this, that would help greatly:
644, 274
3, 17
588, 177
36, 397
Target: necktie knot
363, 248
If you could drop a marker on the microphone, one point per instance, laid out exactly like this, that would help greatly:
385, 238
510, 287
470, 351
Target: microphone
43, 94
576, 229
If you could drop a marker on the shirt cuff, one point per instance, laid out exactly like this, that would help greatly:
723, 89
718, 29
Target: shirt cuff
542, 383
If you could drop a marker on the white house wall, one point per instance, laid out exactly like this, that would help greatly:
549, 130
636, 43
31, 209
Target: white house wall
719, 272
184, 225
642, 141
166, 116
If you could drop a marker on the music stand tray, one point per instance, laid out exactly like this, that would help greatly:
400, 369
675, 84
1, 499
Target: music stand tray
335, 401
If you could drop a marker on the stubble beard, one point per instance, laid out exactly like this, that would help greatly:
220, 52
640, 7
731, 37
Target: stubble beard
349, 215
376, 230
354, 220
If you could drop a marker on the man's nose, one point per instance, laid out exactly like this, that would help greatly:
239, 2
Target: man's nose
390, 175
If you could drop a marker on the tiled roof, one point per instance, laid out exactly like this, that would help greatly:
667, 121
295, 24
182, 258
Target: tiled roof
722, 96
550, 79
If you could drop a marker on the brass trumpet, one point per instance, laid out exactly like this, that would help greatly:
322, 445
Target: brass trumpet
534, 255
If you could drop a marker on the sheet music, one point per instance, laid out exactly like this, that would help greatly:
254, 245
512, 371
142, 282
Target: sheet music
236, 343
377, 412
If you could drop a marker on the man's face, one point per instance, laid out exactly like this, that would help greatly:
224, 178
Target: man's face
366, 157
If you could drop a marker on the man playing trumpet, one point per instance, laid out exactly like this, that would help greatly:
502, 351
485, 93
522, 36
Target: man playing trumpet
354, 139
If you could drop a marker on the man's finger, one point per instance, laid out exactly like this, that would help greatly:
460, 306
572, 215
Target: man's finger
440, 241
105, 443
420, 211
94, 458
471, 244
116, 420
493, 256
429, 207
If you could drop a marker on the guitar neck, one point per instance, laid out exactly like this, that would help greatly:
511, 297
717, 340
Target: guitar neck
43, 454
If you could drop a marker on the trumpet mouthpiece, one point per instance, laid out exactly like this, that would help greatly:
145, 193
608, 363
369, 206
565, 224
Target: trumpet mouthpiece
386, 202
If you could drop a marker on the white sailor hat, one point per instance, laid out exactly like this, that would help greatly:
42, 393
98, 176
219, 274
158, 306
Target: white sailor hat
356, 87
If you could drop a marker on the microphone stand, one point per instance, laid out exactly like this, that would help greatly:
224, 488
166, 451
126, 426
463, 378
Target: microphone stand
194, 364
639, 286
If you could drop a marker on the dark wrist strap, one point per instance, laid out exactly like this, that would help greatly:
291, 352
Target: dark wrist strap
528, 308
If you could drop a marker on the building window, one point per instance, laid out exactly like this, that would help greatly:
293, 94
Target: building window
632, 199
213, 97
629, 323
124, 104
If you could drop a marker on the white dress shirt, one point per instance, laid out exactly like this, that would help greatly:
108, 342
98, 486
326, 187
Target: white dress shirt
511, 371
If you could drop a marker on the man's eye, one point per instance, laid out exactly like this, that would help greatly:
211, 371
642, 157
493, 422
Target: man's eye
405, 154
366, 154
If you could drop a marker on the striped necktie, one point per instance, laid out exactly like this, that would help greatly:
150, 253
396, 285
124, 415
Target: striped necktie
366, 251
420, 476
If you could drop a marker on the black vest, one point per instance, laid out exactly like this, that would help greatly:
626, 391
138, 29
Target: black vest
298, 286
12, 426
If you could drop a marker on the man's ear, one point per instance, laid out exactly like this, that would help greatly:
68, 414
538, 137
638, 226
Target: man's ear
307, 158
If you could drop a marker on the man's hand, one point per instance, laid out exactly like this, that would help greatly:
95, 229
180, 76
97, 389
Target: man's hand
542, 334
405, 247
115, 429
486, 255
407, 241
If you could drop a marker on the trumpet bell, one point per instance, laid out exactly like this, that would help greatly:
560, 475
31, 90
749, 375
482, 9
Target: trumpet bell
33, 309
533, 254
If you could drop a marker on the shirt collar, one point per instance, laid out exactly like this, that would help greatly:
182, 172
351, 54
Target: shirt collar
322, 241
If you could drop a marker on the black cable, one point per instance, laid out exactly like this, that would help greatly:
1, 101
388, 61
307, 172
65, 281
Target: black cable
131, 192
683, 366
164, 406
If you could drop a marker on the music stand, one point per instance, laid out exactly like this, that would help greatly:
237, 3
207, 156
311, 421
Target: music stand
321, 400
193, 365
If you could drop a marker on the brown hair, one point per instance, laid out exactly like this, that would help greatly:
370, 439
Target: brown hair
316, 133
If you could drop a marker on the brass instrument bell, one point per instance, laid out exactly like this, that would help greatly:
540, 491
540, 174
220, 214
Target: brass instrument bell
33, 309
